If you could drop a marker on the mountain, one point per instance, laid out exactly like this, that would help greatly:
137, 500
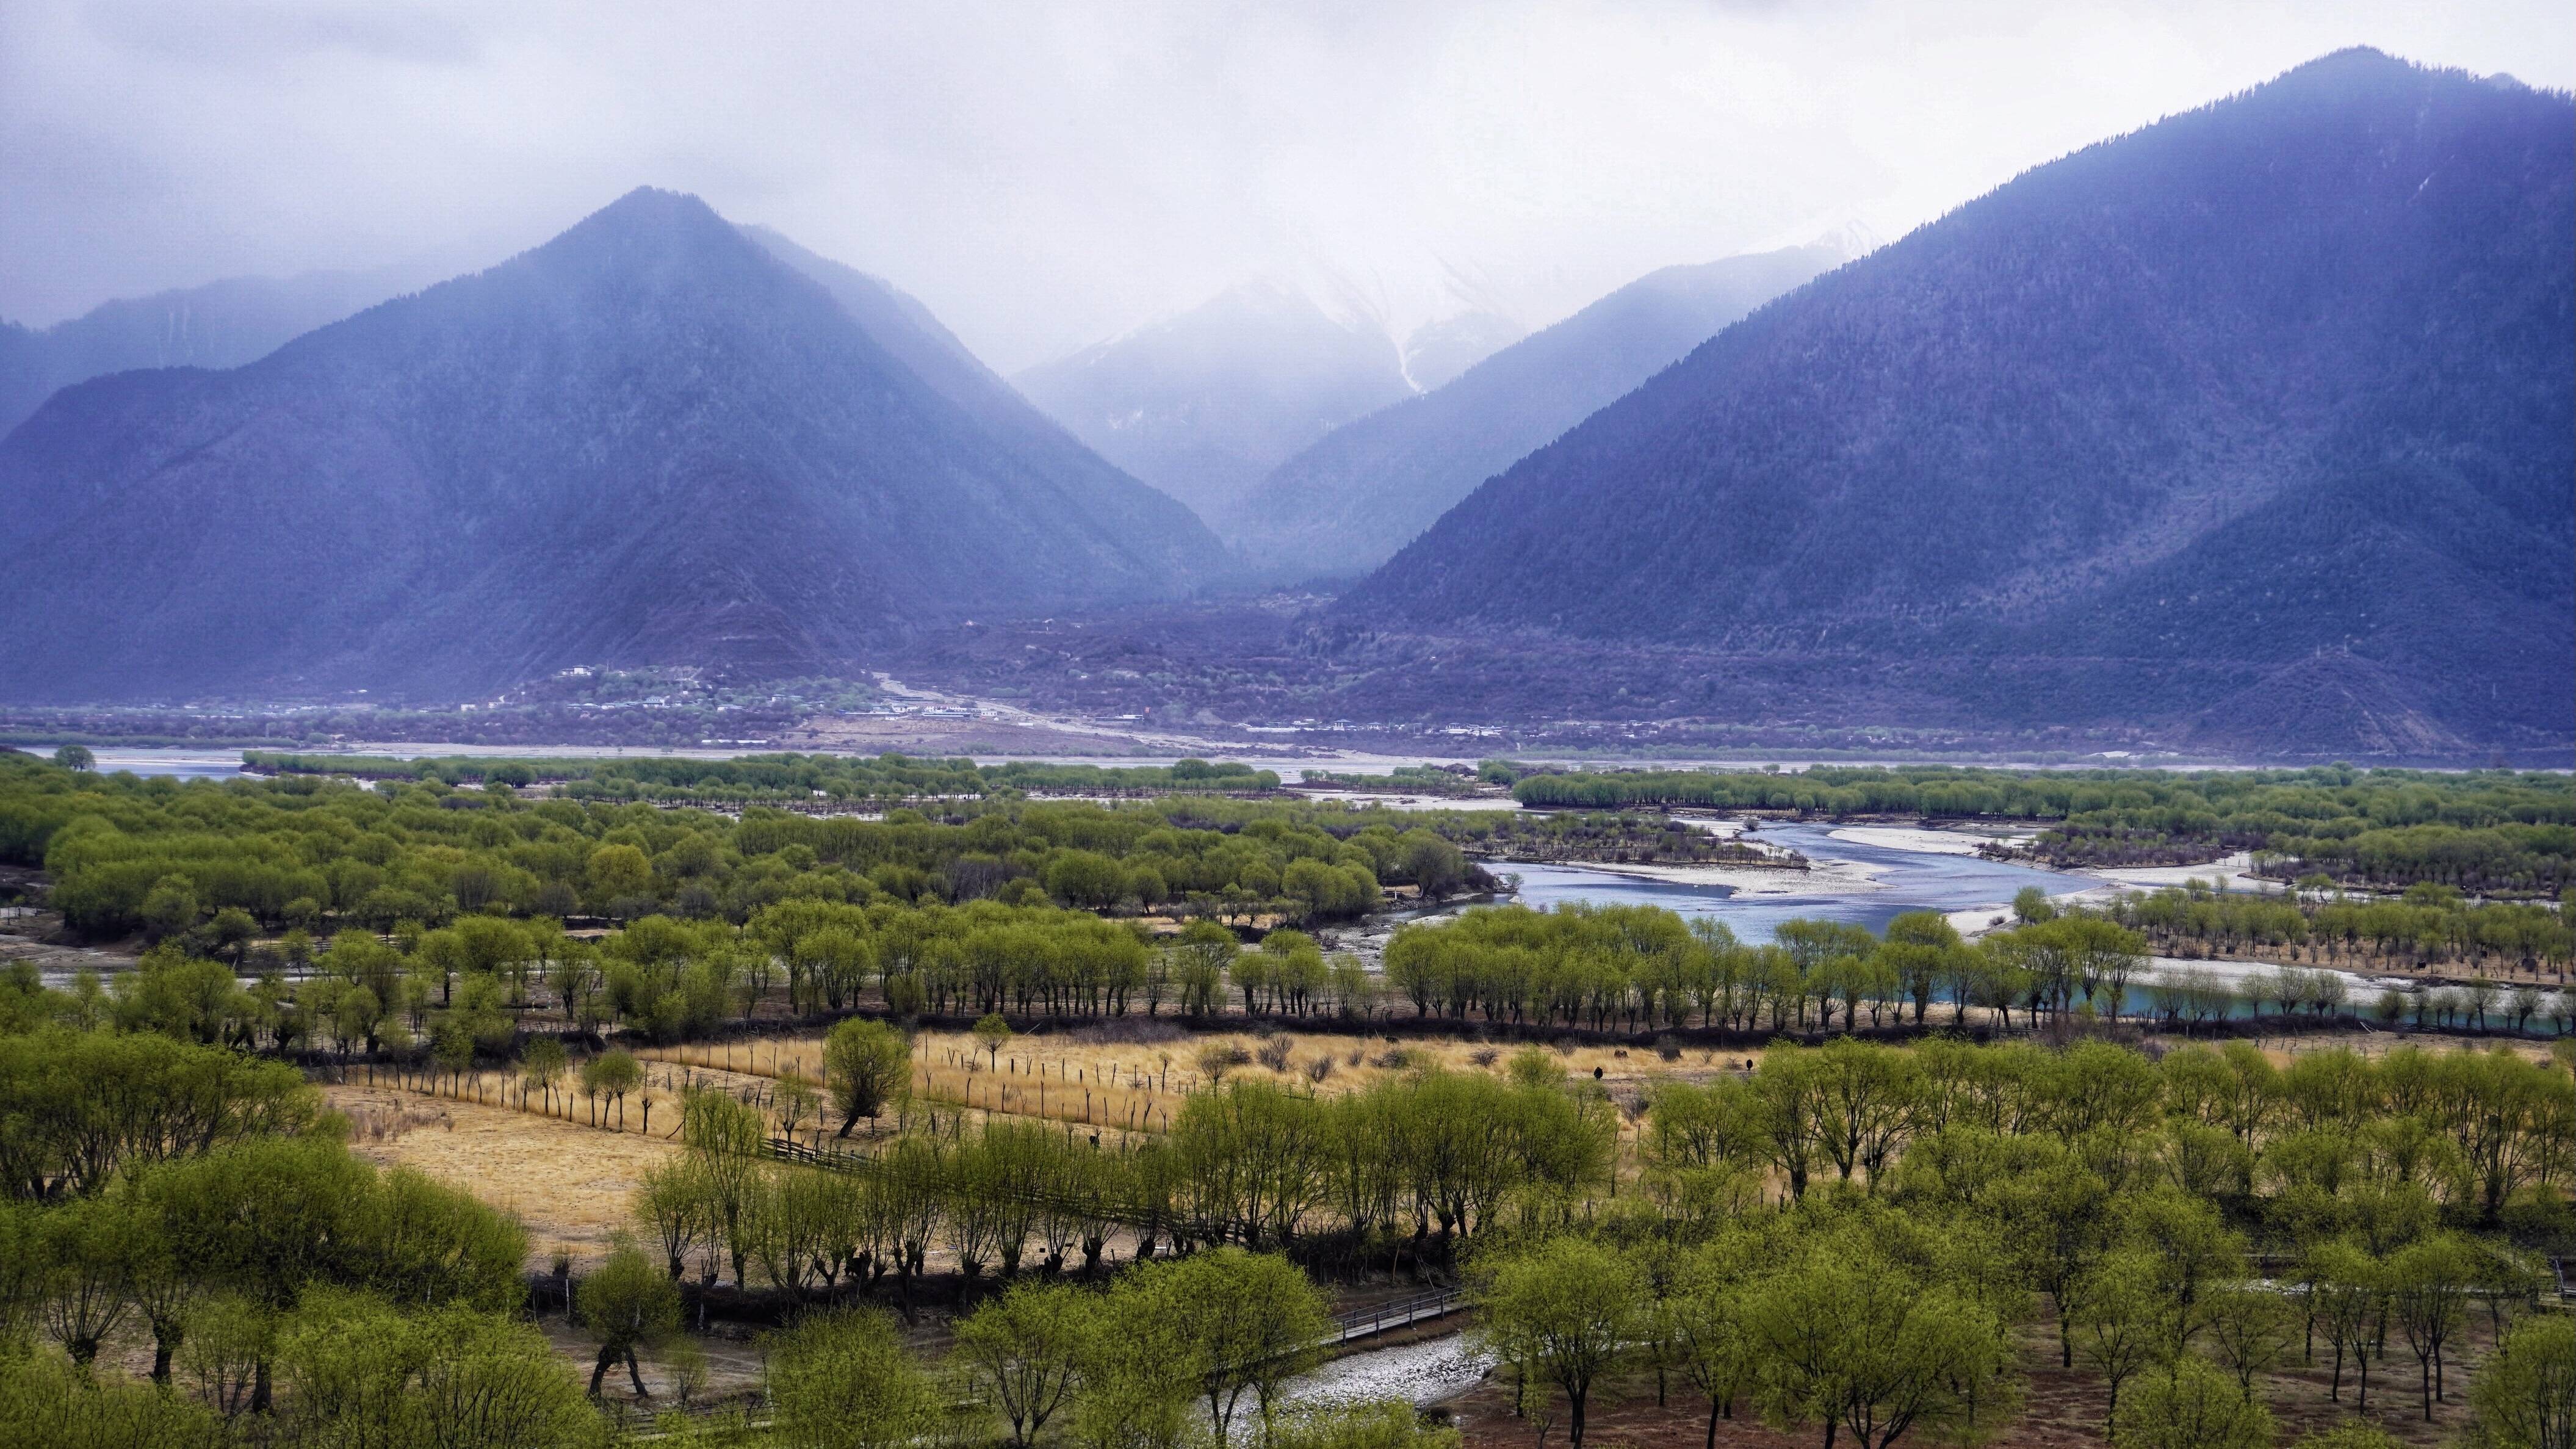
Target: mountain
1345, 504
1203, 404
2268, 402
647, 441
1436, 352
221, 324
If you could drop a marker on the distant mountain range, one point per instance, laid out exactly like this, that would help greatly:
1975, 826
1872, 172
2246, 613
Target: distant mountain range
1204, 404
650, 440
1345, 504
2260, 421
221, 324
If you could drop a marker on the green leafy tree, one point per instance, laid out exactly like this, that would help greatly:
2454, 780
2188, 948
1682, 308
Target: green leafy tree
992, 1033
844, 1381
2525, 1395
867, 1065
627, 1306
1023, 1352
1250, 1322
1562, 1313
2192, 1405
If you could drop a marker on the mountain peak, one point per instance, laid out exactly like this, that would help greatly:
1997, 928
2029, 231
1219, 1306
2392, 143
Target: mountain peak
651, 230
2124, 440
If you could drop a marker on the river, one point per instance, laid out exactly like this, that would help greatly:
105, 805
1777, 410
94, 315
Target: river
1864, 884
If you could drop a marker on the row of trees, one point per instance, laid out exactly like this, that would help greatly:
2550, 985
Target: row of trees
293, 1294
2481, 831
170, 858
753, 779
2414, 1136
1639, 967
2430, 924
1412, 1164
1887, 1320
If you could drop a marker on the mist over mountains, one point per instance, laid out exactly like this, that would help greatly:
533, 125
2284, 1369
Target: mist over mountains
2254, 431
221, 324
1345, 504
2257, 420
647, 441
1203, 405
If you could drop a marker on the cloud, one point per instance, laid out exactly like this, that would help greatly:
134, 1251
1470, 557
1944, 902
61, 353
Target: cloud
277, 34
1043, 175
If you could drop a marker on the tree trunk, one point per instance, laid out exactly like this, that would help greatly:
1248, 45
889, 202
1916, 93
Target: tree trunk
599, 1368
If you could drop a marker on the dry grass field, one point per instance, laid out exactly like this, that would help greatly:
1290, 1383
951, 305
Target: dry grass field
569, 1183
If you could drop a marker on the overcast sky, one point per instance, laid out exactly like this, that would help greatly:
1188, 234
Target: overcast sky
1045, 173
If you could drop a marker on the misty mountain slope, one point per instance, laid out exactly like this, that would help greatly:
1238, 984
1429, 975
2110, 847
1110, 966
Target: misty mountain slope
1203, 404
899, 323
1350, 501
221, 324
2271, 396
646, 441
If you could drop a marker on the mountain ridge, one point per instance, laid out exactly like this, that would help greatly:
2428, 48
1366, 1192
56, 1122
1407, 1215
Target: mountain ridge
647, 440
2278, 387
1350, 500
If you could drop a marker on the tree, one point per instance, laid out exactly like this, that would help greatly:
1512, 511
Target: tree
1023, 1352
1705, 1329
45, 1400
1250, 1322
627, 1306
362, 1373
75, 757
795, 1101
87, 1248
992, 1033
612, 1074
1562, 1313
724, 1139
2347, 1296
262, 1218
2250, 1329
2428, 1287
541, 1065
868, 1064
1856, 1339
2525, 1396
845, 1381
2191, 1406
672, 1202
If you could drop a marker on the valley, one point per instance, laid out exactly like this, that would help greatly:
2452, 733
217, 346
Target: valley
1301, 728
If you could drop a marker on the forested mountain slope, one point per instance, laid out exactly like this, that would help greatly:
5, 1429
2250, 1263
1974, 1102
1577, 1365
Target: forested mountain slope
1202, 405
648, 441
2257, 421
221, 324
1355, 497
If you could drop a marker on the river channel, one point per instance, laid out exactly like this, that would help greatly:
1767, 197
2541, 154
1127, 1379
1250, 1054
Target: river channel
1866, 885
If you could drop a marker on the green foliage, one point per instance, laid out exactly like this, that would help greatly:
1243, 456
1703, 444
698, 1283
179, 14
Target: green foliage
1023, 1353
2525, 1396
76, 1107
2491, 831
2191, 1405
627, 1306
45, 1400
866, 1065
844, 1381
1560, 1314
361, 1373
